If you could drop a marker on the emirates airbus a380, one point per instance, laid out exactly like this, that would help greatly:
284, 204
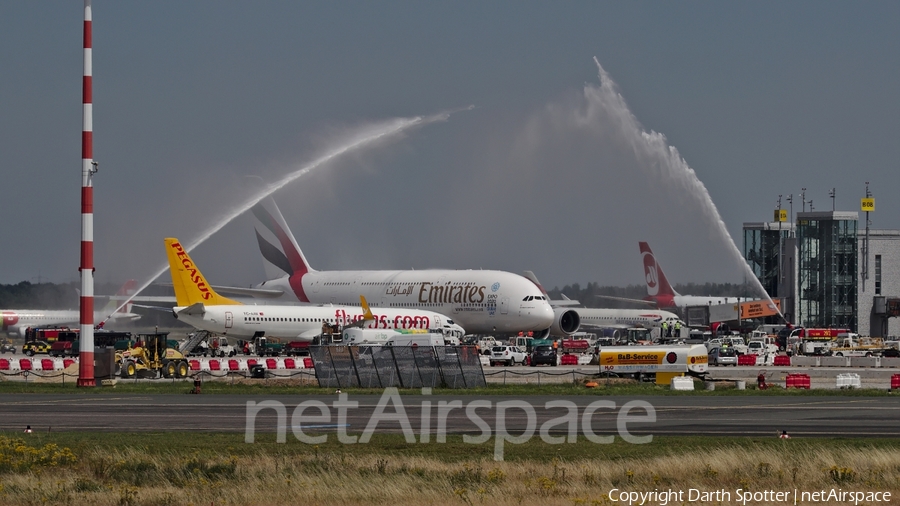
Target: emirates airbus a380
481, 301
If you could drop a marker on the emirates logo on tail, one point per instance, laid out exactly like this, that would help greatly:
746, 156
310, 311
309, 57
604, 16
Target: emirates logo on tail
650, 273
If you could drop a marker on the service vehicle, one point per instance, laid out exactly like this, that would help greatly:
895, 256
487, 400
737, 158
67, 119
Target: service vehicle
790, 335
851, 344
507, 355
48, 334
723, 355
7, 347
486, 343
218, 346
153, 355
659, 362
762, 345
543, 352
32, 348
66, 345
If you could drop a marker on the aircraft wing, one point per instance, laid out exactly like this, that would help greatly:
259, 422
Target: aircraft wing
196, 308
626, 299
309, 334
144, 298
155, 308
607, 326
250, 292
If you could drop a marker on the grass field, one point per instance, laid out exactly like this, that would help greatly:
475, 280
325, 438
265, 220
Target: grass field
219, 469
239, 385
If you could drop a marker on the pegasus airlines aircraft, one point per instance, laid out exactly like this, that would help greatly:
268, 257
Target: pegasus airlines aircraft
16, 321
199, 305
607, 317
660, 291
482, 301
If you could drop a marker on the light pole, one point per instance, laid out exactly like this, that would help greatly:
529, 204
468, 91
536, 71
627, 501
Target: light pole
790, 200
831, 194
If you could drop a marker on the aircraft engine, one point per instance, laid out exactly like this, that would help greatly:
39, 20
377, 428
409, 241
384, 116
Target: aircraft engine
565, 322
542, 334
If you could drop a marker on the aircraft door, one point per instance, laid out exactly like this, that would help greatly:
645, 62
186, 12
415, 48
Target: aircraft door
504, 305
229, 319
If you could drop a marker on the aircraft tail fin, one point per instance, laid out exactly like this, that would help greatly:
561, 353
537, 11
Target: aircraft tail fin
531, 277
280, 252
190, 285
657, 284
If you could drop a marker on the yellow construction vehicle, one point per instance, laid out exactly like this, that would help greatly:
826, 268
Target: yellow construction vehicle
151, 356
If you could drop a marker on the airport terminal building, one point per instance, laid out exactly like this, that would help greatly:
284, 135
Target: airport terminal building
829, 271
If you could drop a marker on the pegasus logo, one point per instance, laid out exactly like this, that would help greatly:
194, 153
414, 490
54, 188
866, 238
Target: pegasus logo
650, 273
192, 272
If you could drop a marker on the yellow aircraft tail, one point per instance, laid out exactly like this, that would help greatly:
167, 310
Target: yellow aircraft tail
190, 285
367, 313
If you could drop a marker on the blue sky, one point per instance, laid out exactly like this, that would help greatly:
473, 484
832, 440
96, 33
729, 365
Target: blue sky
758, 98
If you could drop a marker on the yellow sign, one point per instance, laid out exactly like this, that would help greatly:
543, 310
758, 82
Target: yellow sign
781, 215
760, 308
868, 204
631, 358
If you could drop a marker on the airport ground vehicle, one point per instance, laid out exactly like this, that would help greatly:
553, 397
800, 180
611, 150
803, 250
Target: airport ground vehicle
762, 345
790, 335
486, 343
32, 348
852, 345
66, 345
543, 353
507, 355
48, 334
660, 362
217, 346
723, 355
152, 355
7, 347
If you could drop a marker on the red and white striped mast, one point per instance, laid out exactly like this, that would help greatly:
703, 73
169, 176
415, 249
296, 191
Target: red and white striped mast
88, 168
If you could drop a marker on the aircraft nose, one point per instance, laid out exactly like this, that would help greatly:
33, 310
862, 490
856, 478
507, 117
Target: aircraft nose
544, 316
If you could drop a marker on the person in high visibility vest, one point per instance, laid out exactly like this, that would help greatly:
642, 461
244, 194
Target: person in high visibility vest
678, 329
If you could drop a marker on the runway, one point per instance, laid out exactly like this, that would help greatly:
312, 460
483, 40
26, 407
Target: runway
818, 416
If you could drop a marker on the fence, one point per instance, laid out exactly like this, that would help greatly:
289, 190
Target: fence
397, 366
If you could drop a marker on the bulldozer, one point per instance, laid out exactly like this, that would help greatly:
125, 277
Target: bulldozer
152, 356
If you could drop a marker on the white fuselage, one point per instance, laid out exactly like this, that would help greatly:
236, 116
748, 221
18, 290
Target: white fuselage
15, 321
701, 300
304, 322
480, 301
624, 318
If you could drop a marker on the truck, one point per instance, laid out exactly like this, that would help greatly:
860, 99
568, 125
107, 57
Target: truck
66, 344
790, 335
850, 344
485, 344
761, 344
659, 362
48, 334
264, 347
153, 356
